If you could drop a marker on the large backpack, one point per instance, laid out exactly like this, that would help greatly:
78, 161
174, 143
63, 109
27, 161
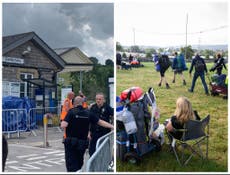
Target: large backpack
165, 63
199, 65
179, 63
156, 62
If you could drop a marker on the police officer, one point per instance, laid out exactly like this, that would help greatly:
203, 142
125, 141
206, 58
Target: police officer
76, 123
104, 112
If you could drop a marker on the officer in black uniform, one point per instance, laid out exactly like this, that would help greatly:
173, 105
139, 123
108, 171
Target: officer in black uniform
104, 112
76, 123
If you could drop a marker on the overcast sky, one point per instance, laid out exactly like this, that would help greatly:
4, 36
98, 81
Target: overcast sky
159, 23
89, 27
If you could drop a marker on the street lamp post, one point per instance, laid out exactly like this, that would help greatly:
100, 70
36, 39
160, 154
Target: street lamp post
186, 36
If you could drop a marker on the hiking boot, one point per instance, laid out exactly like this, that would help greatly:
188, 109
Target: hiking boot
190, 90
167, 86
173, 81
184, 82
159, 84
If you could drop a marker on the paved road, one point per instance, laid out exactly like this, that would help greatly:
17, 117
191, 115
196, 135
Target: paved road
23, 158
27, 154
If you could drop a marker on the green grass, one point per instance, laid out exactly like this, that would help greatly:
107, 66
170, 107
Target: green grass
164, 161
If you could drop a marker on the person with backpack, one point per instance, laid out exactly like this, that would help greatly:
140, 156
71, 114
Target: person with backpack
200, 69
219, 64
164, 63
179, 66
156, 62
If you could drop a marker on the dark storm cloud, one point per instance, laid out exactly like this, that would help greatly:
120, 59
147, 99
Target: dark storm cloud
63, 25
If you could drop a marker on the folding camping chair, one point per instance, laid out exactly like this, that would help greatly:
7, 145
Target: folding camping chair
195, 134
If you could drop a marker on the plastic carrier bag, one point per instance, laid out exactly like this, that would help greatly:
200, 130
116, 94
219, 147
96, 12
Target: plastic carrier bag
129, 121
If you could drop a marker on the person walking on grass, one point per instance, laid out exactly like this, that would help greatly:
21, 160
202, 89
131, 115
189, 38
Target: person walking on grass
164, 63
178, 67
200, 70
219, 64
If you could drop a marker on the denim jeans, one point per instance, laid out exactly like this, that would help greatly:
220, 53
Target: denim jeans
202, 77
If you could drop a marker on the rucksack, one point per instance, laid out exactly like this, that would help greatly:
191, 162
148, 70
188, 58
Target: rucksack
199, 65
156, 62
179, 63
165, 63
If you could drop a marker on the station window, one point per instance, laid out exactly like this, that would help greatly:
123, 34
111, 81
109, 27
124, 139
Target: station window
25, 87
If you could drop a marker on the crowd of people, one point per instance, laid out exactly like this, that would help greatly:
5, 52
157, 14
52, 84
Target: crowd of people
184, 111
162, 63
178, 65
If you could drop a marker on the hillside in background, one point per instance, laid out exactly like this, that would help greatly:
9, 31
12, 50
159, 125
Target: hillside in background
223, 47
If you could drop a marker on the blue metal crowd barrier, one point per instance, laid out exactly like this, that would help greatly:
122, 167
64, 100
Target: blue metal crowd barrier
19, 120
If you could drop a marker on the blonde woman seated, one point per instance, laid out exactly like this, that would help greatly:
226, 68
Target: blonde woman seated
182, 114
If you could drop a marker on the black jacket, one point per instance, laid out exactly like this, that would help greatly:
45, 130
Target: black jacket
218, 66
102, 113
194, 63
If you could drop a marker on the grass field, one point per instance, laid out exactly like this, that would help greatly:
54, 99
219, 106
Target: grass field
164, 161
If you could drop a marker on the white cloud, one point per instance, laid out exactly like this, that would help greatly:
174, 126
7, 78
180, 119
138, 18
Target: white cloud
103, 50
86, 28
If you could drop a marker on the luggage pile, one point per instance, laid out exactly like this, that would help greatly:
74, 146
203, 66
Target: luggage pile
138, 128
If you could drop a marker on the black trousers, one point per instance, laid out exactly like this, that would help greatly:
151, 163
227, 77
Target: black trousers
74, 156
93, 141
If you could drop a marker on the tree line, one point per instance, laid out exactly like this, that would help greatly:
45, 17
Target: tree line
188, 51
95, 80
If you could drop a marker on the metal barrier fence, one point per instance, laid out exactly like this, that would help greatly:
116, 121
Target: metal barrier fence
19, 120
103, 156
14, 121
101, 139
36, 114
